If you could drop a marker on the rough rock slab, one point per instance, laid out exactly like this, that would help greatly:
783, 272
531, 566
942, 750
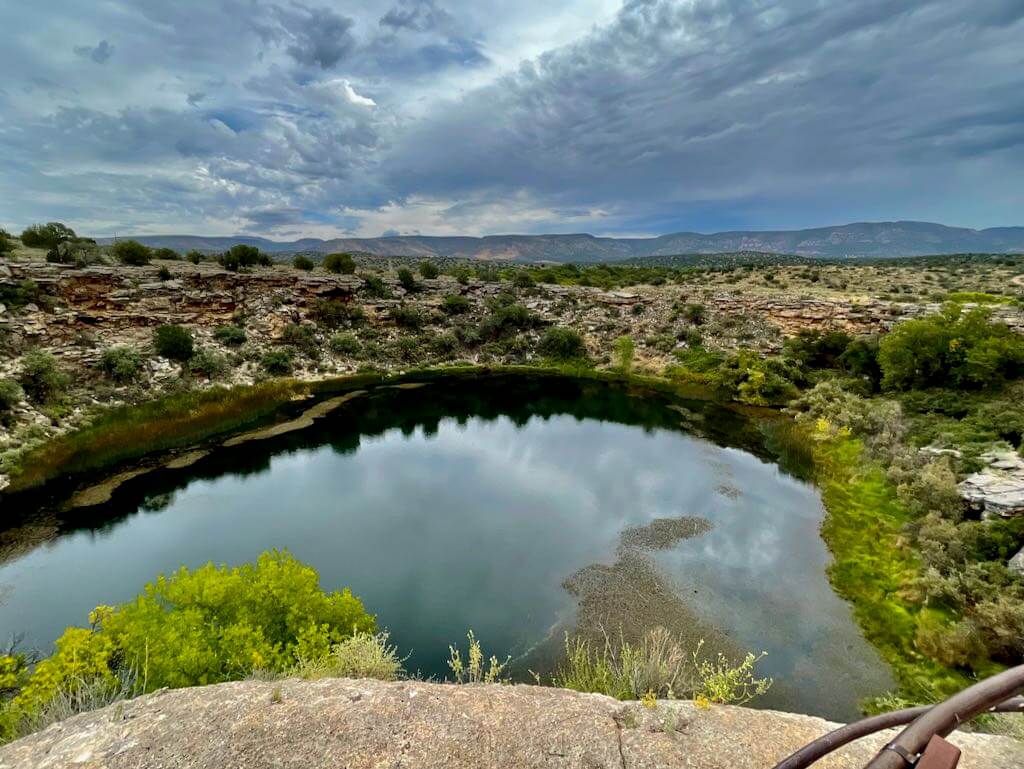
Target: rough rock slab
347, 724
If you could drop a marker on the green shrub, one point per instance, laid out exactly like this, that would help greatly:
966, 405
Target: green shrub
302, 262
163, 273
22, 293
200, 627
40, 377
345, 344
47, 235
505, 319
10, 395
694, 313
80, 253
407, 280
173, 342
121, 364
363, 655
194, 257
407, 317
207, 363
455, 304
476, 669
230, 336
523, 279
407, 348
6, 243
625, 349
342, 264
817, 349
167, 254
429, 270
302, 337
375, 288
334, 314
658, 667
444, 344
562, 344
277, 362
131, 252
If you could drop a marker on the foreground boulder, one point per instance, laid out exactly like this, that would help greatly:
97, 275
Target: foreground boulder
351, 724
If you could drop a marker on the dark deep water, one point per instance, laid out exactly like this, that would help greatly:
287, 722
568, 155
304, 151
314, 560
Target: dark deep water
466, 505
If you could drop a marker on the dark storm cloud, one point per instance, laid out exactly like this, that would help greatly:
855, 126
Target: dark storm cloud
99, 54
689, 102
274, 114
264, 219
321, 37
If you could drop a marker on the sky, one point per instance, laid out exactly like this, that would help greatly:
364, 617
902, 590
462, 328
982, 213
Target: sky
295, 118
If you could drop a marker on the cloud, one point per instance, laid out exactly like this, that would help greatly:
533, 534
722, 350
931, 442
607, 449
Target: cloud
679, 104
99, 54
476, 116
320, 37
417, 15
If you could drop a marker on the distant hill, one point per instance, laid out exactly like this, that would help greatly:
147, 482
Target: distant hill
863, 239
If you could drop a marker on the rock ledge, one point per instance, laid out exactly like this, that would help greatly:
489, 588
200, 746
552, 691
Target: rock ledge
359, 723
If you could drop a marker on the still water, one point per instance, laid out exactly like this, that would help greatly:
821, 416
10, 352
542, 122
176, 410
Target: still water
459, 506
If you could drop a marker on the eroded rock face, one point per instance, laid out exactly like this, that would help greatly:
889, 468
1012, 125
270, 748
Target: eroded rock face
999, 489
356, 724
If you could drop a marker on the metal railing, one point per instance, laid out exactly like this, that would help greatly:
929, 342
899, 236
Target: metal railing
993, 695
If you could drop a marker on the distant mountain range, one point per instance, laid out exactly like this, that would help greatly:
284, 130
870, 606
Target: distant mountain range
862, 239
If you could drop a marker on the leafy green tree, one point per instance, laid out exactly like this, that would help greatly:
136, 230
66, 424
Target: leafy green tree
303, 262
6, 243
131, 252
41, 378
194, 257
173, 342
429, 270
340, 263
950, 349
817, 349
47, 235
860, 358
121, 364
168, 254
241, 255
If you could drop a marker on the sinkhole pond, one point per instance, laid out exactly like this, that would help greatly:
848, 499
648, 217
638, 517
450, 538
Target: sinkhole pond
520, 507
